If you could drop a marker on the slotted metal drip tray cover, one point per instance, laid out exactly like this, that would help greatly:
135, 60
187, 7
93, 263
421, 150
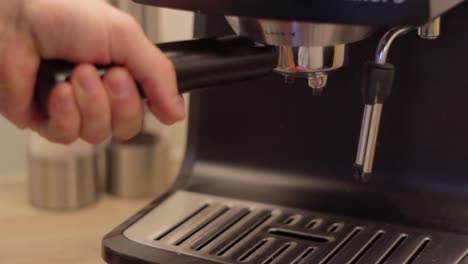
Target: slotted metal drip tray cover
233, 231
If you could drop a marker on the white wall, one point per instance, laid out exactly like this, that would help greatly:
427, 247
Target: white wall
12, 150
162, 25
172, 25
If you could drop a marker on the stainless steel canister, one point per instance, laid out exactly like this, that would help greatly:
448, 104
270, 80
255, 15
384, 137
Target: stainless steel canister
138, 167
62, 177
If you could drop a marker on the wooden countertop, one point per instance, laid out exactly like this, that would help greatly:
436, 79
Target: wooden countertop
31, 235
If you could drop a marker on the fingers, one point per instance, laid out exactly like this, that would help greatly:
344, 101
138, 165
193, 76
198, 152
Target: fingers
149, 66
120, 41
63, 125
93, 104
126, 105
93, 109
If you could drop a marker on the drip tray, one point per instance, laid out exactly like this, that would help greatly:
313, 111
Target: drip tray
234, 231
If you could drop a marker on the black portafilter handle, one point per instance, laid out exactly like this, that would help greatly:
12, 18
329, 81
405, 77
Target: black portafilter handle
199, 64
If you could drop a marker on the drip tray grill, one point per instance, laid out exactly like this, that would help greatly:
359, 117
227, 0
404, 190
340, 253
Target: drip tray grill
233, 231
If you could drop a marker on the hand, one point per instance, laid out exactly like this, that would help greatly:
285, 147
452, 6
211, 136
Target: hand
85, 32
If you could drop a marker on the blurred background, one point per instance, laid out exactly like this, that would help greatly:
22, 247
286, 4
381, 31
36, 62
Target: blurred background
161, 25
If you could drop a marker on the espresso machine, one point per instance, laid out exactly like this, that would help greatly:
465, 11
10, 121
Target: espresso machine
292, 157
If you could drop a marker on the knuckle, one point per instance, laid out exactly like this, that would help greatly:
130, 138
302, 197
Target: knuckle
95, 138
94, 111
65, 140
167, 66
125, 24
3, 67
63, 127
63, 133
127, 131
22, 126
21, 121
14, 105
133, 23
88, 114
163, 118
96, 130
126, 135
167, 121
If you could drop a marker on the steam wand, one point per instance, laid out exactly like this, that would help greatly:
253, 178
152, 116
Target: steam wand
378, 83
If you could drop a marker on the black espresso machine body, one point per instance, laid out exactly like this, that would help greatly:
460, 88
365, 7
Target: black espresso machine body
268, 171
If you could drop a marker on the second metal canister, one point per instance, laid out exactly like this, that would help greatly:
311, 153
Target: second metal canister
137, 168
